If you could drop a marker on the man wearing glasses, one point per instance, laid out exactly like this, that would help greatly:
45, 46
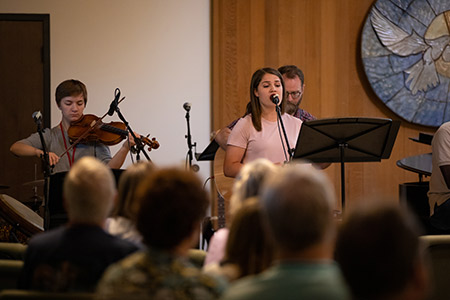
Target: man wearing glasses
294, 84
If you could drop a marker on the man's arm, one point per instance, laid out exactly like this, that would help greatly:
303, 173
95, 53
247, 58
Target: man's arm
222, 137
233, 161
22, 149
118, 159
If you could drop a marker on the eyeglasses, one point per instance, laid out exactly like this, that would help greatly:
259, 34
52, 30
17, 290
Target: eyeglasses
294, 95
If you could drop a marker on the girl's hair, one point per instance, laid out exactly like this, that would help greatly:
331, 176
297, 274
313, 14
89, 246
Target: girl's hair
128, 184
254, 106
249, 246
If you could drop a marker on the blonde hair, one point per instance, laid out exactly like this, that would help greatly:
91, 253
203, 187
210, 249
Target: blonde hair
89, 191
126, 192
250, 181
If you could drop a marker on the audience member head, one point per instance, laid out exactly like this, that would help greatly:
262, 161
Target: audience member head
89, 191
294, 83
250, 181
126, 192
255, 105
298, 202
70, 87
172, 204
249, 245
380, 254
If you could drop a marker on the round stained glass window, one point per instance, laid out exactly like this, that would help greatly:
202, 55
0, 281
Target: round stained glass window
405, 51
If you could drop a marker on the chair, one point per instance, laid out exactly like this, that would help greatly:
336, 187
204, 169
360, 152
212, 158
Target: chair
11, 263
439, 249
35, 295
12, 251
9, 273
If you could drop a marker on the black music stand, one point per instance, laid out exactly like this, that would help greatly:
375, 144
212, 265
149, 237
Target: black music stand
346, 140
209, 153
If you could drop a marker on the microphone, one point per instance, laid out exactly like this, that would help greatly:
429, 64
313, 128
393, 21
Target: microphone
187, 106
37, 116
275, 99
114, 103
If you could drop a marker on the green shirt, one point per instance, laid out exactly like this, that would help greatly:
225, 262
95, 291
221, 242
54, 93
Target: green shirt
292, 280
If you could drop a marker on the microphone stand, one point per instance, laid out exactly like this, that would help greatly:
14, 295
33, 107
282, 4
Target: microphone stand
47, 171
189, 142
290, 151
139, 145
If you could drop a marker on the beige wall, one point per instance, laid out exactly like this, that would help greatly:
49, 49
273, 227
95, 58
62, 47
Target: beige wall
156, 52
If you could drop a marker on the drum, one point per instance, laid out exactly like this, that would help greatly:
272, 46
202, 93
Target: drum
20, 216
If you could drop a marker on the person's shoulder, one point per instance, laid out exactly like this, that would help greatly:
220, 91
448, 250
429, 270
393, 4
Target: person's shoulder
249, 287
54, 131
128, 263
145, 269
46, 238
233, 123
101, 240
41, 245
221, 234
304, 115
245, 120
441, 133
119, 273
244, 124
288, 118
214, 283
445, 126
121, 244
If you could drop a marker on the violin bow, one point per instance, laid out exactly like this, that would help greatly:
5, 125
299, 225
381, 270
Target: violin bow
92, 126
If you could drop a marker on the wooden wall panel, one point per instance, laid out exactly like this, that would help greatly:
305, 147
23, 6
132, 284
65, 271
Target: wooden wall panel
322, 37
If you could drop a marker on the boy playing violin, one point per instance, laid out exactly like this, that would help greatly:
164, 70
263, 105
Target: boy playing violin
71, 98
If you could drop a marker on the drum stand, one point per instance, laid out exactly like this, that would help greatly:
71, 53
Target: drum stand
12, 235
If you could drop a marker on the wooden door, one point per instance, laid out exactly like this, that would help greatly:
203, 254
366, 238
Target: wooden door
25, 88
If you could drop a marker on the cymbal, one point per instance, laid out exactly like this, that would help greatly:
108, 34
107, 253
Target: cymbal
39, 182
4, 187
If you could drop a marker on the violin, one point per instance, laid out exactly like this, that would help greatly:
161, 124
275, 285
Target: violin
90, 128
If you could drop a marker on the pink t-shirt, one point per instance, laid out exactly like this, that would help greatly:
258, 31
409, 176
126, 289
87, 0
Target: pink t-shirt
216, 248
266, 143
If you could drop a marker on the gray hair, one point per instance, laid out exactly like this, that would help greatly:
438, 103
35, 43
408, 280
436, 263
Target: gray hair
89, 191
250, 181
299, 204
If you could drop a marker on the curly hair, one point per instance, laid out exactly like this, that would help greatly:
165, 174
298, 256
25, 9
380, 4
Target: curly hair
171, 202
